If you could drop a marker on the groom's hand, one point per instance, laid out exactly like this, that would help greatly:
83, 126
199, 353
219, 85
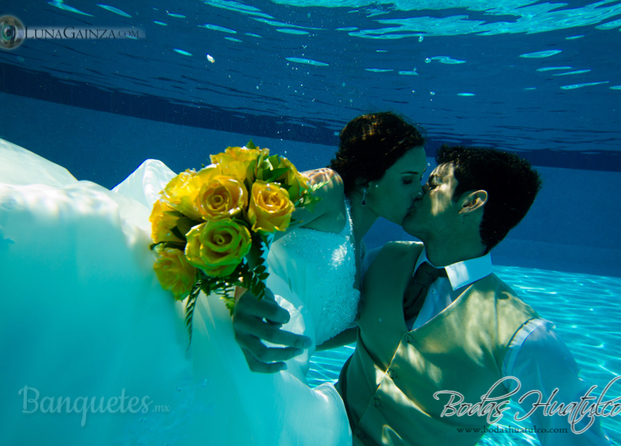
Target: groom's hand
255, 320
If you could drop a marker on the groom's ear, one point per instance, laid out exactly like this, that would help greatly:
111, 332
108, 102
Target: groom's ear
473, 201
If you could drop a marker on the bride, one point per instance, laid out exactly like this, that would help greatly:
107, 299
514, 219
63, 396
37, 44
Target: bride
94, 350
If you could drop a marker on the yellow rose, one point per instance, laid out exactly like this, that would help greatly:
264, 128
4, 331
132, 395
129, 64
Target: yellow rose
162, 223
243, 154
180, 194
174, 272
238, 162
217, 247
270, 207
186, 193
221, 197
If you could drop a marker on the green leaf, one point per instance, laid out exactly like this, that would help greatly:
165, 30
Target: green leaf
178, 233
174, 213
184, 225
276, 174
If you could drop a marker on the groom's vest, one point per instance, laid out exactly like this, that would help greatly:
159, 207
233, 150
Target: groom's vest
389, 383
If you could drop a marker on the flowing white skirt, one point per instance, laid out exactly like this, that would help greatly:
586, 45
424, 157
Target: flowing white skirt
95, 352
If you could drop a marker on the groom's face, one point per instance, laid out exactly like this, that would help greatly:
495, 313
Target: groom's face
436, 213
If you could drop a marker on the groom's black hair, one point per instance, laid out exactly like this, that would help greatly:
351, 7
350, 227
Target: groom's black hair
510, 181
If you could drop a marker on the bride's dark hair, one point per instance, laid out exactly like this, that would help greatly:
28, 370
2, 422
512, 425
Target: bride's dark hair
370, 144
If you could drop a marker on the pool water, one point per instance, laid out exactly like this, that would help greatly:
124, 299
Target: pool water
586, 312
539, 78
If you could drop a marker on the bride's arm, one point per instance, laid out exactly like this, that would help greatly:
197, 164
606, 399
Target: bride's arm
346, 337
328, 214
256, 320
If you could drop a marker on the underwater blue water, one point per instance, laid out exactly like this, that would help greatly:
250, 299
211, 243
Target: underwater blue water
525, 75
537, 77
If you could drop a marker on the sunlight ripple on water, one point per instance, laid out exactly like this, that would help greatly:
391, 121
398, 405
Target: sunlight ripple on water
114, 10
540, 54
587, 84
307, 61
60, 5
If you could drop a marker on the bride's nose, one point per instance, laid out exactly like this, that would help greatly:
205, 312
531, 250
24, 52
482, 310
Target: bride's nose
418, 193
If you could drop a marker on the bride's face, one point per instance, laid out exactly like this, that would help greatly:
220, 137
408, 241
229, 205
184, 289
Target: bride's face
392, 196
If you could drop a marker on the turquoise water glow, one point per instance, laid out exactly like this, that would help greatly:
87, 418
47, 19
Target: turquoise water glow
535, 77
585, 309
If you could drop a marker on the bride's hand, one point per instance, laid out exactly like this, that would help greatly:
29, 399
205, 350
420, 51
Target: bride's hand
255, 320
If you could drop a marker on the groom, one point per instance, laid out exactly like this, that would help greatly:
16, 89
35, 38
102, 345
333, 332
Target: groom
440, 350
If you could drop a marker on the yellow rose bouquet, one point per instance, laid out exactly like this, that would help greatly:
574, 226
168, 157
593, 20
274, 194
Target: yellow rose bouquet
211, 227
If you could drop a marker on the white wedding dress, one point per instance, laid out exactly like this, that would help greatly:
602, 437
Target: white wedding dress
95, 352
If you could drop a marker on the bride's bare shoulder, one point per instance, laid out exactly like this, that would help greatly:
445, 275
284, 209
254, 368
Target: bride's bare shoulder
329, 212
332, 193
324, 174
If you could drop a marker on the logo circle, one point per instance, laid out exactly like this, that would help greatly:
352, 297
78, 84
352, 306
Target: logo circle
12, 32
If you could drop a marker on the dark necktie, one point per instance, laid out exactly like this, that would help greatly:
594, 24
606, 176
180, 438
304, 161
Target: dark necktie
418, 287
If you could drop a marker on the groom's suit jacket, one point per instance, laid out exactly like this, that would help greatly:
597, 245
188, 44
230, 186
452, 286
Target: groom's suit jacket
388, 384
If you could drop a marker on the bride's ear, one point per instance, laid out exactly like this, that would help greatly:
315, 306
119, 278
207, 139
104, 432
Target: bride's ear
362, 183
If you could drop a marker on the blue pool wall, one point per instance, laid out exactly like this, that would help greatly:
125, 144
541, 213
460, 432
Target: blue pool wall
573, 225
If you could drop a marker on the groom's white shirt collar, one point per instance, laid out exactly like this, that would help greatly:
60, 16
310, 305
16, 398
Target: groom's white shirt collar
464, 273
